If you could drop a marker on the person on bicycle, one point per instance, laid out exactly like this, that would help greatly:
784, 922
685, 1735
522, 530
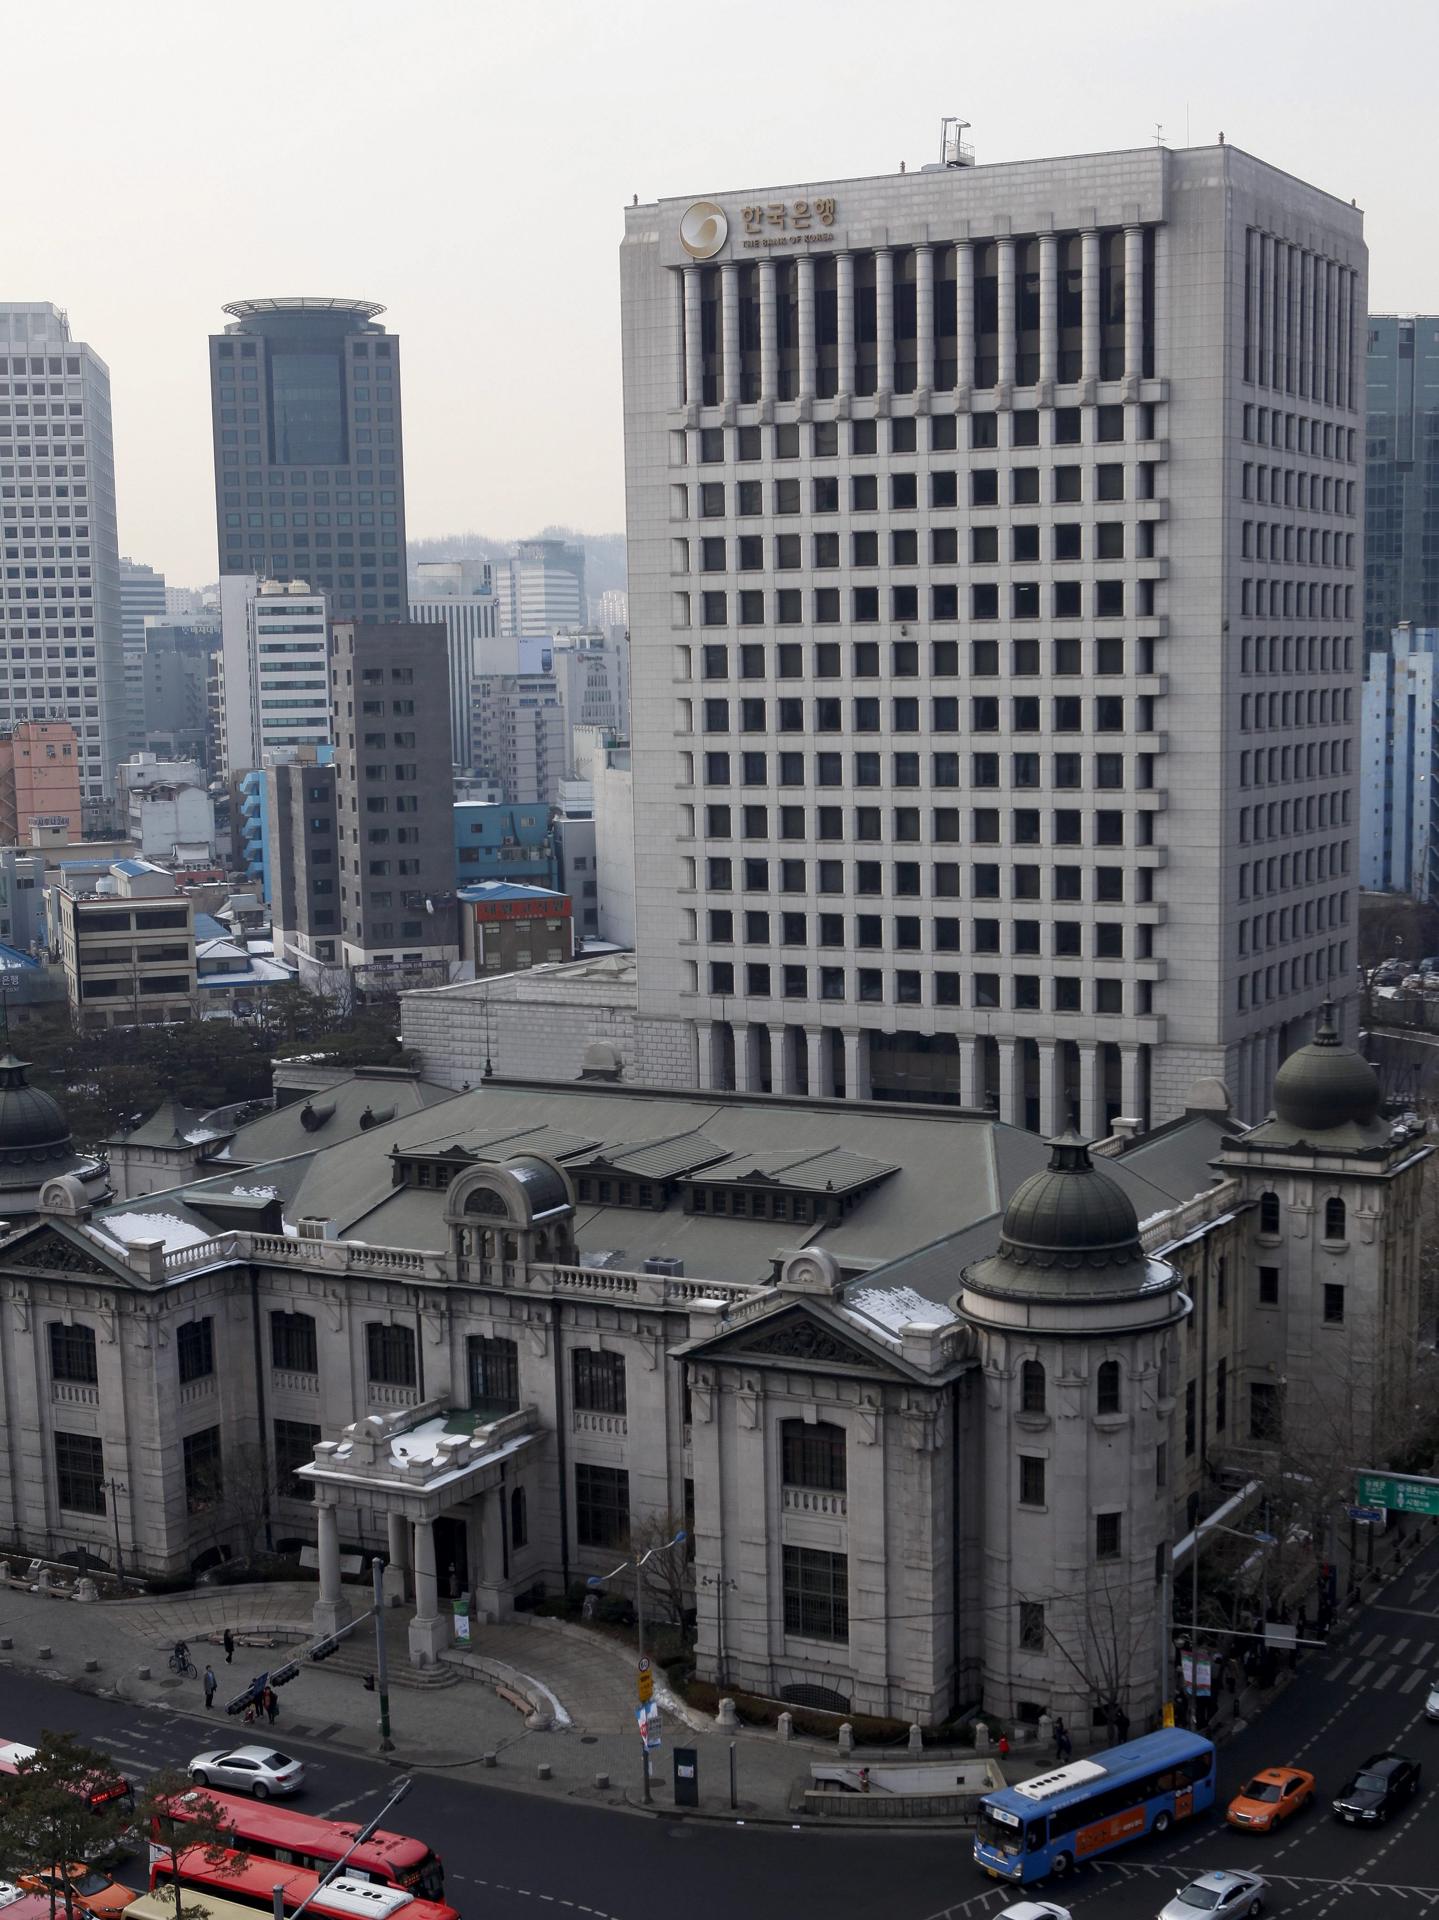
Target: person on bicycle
181, 1655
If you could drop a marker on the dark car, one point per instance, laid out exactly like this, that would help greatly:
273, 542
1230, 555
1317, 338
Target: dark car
1384, 1783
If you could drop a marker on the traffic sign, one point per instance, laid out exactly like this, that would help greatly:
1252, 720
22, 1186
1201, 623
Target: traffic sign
1367, 1516
1399, 1492
647, 1717
644, 1682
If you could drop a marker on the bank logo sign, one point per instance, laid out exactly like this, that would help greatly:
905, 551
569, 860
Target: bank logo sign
703, 230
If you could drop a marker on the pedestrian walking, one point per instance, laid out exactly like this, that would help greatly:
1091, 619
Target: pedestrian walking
229, 1644
210, 1685
1004, 1746
1063, 1745
271, 1705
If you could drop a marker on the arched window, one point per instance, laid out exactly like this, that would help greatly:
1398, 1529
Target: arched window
1334, 1223
812, 1455
519, 1523
1031, 1387
1108, 1395
1269, 1213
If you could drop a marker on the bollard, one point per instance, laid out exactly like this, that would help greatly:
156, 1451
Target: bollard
728, 1718
981, 1737
543, 1771
846, 1737
602, 1781
489, 1759
916, 1738
92, 1666
6, 1643
784, 1726
45, 1653
1045, 1732
142, 1673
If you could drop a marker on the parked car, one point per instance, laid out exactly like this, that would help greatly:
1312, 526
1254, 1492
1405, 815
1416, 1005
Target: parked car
1385, 1782
1223, 1891
1431, 1705
1034, 1910
258, 1771
94, 1892
1271, 1798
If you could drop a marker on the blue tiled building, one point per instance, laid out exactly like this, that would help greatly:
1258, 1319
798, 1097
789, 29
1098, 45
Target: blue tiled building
503, 841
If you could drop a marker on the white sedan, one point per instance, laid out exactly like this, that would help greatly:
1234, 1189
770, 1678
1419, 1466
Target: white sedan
1431, 1705
258, 1771
1033, 1910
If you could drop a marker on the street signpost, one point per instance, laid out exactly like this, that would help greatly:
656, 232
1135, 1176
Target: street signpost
1368, 1516
1397, 1492
644, 1680
647, 1717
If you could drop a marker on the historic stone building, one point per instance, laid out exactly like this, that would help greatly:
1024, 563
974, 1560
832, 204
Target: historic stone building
929, 1398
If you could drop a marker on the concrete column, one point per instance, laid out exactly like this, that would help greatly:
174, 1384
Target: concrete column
856, 1065
924, 317
884, 319
1326, 336
1266, 344
746, 1058
1254, 264
817, 1063
1282, 271
694, 364
332, 1609
1048, 309
1091, 1121
677, 333
729, 329
1006, 315
1011, 1110
844, 321
808, 353
397, 1555
1048, 1087
1133, 302
969, 1088
705, 1033
964, 315
1130, 1098
781, 1064
429, 1632
768, 337
1341, 337
1089, 306
1305, 322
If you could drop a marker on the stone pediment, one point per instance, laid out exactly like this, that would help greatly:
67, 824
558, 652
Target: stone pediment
796, 1336
48, 1249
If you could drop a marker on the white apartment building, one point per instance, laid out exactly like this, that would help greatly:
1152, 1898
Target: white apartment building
470, 614
546, 589
61, 655
993, 561
520, 734
1399, 799
276, 659
591, 671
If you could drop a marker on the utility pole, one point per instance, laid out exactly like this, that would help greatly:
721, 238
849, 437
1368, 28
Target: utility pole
114, 1487
599, 1580
382, 1669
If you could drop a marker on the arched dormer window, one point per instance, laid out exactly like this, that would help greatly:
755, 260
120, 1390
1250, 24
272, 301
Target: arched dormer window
486, 1201
1032, 1387
1269, 1213
1107, 1398
1335, 1220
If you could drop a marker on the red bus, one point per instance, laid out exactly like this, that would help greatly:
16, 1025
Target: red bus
105, 1793
302, 1840
249, 1882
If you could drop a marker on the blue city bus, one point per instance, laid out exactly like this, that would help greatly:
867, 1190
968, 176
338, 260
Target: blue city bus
1074, 1812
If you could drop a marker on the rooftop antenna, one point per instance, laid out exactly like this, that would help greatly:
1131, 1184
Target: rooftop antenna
954, 150
1158, 133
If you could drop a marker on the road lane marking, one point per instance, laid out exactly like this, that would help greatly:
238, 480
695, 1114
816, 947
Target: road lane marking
1398, 1648
1412, 1682
1385, 1677
1357, 1678
1338, 1667
1373, 1646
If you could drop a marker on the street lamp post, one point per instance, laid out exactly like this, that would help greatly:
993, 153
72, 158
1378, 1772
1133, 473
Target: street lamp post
1201, 1527
600, 1579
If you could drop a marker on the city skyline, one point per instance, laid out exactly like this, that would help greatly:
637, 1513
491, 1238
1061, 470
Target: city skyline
536, 347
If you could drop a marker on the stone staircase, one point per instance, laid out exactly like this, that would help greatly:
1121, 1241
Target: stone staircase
356, 1655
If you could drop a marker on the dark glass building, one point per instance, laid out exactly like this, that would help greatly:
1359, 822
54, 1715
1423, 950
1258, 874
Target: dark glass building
309, 469
1401, 549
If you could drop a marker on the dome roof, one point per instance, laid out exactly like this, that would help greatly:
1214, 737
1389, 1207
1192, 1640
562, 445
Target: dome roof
33, 1126
1326, 1085
1070, 1215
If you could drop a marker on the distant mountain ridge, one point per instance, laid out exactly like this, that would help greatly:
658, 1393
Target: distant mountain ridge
604, 553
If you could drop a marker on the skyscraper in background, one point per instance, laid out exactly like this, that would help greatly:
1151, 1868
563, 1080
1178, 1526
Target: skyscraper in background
546, 588
467, 608
309, 469
61, 653
1401, 551
142, 593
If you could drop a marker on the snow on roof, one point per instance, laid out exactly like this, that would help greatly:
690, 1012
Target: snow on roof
125, 1228
894, 1308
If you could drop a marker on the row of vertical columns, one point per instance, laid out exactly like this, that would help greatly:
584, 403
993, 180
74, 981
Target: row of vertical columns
804, 275
1048, 308
924, 317
768, 336
1089, 305
1133, 302
1006, 313
694, 340
964, 313
884, 319
729, 329
844, 321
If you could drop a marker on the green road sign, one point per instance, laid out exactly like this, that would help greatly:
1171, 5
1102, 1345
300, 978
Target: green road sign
1400, 1493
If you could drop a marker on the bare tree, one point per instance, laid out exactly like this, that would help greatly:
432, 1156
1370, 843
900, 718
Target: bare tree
669, 1573
1104, 1639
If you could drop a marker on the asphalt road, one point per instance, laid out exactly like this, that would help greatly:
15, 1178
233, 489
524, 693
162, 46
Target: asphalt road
508, 1855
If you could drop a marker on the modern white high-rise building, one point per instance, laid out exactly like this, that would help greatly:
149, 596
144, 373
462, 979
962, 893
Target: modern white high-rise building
275, 639
1399, 794
61, 654
994, 590
469, 611
142, 593
546, 589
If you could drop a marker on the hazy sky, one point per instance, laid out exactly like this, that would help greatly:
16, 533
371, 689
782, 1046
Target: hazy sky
467, 164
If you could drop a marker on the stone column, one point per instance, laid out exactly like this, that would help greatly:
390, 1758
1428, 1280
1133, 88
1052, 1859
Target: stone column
1089, 307
1282, 279
1133, 302
1091, 1125
1005, 378
705, 1034
746, 1063
924, 317
964, 316
969, 1088
429, 1631
1130, 1098
768, 336
677, 333
856, 1064
884, 319
817, 1062
1010, 1110
332, 1609
729, 326
694, 361
781, 1063
844, 322
1048, 1088
397, 1534
808, 353
1341, 337
1048, 311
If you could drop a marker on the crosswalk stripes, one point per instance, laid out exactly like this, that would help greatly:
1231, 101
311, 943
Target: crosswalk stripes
1399, 1664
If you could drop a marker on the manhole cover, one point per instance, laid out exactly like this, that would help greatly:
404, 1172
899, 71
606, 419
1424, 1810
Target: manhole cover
588, 1739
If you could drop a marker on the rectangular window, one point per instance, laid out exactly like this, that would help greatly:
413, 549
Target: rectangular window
1031, 1627
1333, 1304
816, 1593
813, 1455
494, 1368
1221, 1396
1108, 1536
72, 1354
1265, 1418
80, 1472
390, 1355
295, 1443
602, 1506
292, 1343
598, 1380
195, 1350
1191, 1417
1269, 1286
1031, 1480
204, 1483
